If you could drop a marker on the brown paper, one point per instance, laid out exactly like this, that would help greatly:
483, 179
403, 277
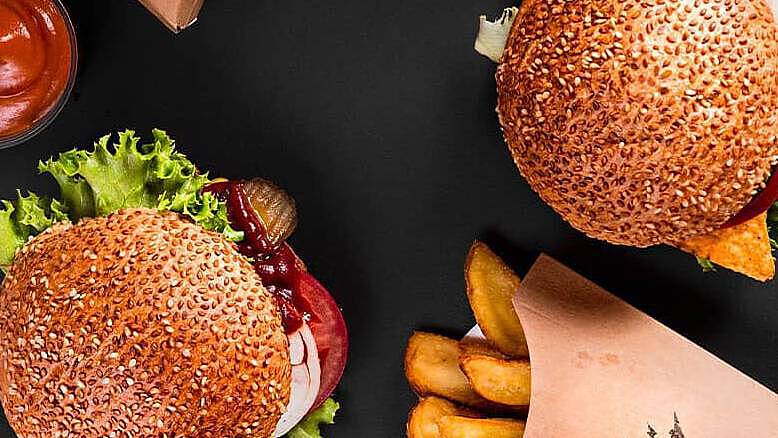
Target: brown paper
601, 368
175, 14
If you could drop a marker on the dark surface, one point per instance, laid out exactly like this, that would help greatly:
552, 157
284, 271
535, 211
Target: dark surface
378, 118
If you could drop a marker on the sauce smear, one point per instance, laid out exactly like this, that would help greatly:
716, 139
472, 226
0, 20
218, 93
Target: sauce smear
277, 265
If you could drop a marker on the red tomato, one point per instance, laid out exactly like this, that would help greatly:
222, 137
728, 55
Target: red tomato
758, 205
328, 328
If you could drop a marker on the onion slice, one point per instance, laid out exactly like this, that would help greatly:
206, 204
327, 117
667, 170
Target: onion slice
493, 35
296, 348
306, 380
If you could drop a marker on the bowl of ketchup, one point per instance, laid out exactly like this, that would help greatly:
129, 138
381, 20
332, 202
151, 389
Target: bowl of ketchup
38, 59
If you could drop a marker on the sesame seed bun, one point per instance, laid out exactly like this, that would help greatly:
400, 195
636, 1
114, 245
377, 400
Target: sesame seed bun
642, 123
140, 324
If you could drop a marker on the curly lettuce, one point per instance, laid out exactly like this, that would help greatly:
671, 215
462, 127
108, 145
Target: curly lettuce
23, 218
125, 174
705, 264
310, 426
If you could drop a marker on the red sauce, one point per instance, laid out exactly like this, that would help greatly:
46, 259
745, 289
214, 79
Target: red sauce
759, 204
36, 55
276, 264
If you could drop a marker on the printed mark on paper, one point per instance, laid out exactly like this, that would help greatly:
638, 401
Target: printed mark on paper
675, 432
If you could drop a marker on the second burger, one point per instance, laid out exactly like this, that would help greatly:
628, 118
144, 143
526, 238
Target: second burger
646, 123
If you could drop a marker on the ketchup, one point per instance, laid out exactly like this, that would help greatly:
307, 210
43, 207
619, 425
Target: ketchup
36, 56
276, 264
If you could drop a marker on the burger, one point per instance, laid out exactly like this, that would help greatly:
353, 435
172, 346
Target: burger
646, 123
148, 300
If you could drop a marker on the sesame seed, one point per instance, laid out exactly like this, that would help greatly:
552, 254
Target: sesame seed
622, 117
112, 394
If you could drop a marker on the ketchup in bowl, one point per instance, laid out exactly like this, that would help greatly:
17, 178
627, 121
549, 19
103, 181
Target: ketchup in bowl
37, 65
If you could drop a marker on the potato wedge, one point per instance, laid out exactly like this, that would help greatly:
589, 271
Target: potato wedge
423, 421
502, 381
462, 427
432, 368
490, 289
473, 346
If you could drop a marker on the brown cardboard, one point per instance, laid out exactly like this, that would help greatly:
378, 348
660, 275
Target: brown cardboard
601, 368
175, 14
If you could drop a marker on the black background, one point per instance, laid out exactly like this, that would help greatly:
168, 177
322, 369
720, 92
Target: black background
378, 117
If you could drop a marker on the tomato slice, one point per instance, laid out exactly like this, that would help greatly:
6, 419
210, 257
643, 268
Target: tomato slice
758, 205
328, 328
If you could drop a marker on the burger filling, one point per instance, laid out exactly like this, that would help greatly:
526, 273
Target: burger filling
745, 242
256, 215
762, 202
273, 259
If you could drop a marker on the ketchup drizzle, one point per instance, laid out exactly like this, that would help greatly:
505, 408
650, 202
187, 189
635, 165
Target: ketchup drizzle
275, 264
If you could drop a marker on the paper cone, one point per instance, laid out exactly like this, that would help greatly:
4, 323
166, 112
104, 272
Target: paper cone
601, 369
175, 14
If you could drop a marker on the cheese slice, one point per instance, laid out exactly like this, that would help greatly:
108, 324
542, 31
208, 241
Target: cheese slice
744, 248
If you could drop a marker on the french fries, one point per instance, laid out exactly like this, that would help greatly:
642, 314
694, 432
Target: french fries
467, 385
490, 289
432, 368
499, 380
463, 427
423, 421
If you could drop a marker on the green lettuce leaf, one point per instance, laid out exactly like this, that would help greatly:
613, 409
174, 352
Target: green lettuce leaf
128, 174
772, 225
38, 214
706, 264
12, 237
309, 426
26, 217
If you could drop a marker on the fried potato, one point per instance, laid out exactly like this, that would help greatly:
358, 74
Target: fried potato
432, 368
502, 381
462, 427
423, 421
490, 289
473, 346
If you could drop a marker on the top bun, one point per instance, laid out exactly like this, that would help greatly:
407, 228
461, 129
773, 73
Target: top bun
139, 324
642, 122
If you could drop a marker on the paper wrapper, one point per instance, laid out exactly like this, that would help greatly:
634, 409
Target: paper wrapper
176, 14
601, 368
